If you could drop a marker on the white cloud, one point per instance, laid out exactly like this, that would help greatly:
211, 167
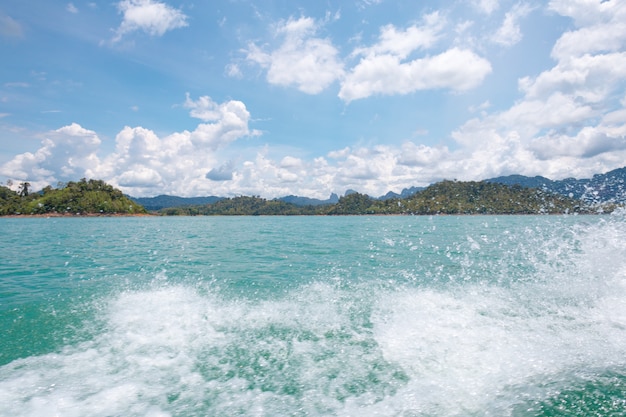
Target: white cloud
510, 33
413, 155
586, 12
153, 17
291, 162
570, 120
312, 64
486, 6
66, 153
204, 108
342, 153
455, 69
601, 28
221, 173
589, 78
231, 121
233, 70
142, 162
587, 143
401, 43
362, 4
71, 8
481, 107
184, 163
140, 176
307, 62
137, 146
385, 67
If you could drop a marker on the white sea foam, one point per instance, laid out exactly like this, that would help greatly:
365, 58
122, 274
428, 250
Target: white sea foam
331, 348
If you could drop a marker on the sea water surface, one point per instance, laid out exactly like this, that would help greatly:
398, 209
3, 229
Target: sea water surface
313, 316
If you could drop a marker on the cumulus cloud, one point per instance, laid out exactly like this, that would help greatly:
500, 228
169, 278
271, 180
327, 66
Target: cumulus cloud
303, 60
182, 162
585, 12
152, 17
601, 27
230, 121
385, 67
587, 143
509, 32
221, 173
403, 42
139, 177
570, 120
144, 164
455, 69
413, 155
66, 153
311, 63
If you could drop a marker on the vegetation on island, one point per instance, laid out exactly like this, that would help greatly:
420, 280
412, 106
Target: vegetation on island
446, 197
75, 198
94, 197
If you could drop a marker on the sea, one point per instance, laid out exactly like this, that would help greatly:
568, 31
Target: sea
313, 316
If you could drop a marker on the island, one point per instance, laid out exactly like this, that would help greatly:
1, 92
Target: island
96, 198
84, 198
445, 197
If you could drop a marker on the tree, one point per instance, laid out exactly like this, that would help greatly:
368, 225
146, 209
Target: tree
24, 188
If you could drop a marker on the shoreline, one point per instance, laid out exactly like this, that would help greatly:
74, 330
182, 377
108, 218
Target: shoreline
73, 215
96, 215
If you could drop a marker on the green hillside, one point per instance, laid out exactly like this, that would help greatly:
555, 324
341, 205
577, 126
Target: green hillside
446, 197
95, 197
82, 197
452, 197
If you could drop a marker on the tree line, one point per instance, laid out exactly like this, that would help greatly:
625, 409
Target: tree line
446, 197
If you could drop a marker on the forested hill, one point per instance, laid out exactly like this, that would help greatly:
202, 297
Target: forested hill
602, 188
82, 197
447, 197
164, 201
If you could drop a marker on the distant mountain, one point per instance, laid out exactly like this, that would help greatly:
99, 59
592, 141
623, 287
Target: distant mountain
602, 188
527, 182
405, 193
306, 201
165, 201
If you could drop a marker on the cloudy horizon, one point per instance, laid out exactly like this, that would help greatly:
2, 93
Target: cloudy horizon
231, 98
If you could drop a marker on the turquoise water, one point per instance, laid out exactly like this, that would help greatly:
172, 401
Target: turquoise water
313, 316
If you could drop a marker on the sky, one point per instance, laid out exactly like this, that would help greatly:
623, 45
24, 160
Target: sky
308, 98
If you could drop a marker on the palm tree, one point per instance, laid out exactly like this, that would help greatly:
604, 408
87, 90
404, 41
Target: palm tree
24, 189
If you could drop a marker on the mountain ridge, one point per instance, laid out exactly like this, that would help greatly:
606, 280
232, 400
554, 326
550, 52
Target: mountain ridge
609, 187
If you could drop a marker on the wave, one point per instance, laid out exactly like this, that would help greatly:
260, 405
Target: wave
552, 339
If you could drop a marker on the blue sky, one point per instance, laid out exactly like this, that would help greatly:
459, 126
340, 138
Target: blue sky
232, 97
